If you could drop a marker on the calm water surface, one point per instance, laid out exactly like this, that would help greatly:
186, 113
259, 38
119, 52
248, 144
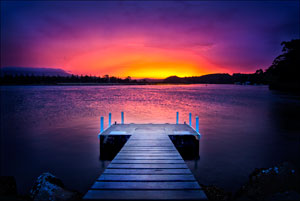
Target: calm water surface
54, 128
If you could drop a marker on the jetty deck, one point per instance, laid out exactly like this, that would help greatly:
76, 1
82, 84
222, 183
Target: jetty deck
148, 166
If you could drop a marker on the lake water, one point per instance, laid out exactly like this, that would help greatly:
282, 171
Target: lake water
54, 128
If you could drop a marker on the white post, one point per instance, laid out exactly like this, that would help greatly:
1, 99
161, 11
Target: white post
122, 117
101, 124
177, 117
197, 124
190, 119
109, 119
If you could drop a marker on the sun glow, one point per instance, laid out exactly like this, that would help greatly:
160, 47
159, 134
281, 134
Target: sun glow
163, 69
124, 58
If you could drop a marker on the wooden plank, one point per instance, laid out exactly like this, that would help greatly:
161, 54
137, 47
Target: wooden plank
145, 195
147, 143
142, 139
124, 157
149, 155
156, 137
147, 166
157, 143
148, 149
107, 177
150, 141
147, 146
120, 161
118, 132
147, 171
146, 185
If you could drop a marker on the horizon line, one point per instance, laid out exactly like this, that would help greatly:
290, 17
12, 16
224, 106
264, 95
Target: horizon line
122, 77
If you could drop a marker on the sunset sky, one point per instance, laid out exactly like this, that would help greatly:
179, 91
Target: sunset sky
153, 39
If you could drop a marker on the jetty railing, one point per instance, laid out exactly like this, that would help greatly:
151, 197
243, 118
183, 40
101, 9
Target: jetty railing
190, 123
102, 130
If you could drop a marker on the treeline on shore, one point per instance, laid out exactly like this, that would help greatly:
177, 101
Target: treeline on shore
238, 78
20, 79
221, 78
283, 74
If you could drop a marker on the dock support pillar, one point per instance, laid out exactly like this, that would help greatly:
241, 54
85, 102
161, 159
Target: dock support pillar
190, 119
101, 124
122, 117
197, 124
109, 119
177, 117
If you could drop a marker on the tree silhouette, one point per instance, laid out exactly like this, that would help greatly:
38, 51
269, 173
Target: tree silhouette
284, 72
8, 79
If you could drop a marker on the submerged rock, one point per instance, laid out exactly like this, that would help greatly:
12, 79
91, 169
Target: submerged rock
8, 185
8, 190
271, 184
285, 196
49, 188
215, 193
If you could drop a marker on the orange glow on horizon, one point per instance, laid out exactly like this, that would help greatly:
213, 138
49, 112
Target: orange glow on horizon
163, 69
132, 57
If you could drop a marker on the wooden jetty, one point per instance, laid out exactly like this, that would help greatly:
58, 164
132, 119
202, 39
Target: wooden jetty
148, 166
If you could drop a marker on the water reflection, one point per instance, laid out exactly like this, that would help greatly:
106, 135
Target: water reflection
54, 128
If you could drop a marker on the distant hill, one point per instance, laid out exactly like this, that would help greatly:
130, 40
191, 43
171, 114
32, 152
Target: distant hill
174, 79
149, 80
33, 71
219, 78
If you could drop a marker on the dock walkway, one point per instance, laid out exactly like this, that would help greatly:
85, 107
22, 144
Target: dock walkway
148, 167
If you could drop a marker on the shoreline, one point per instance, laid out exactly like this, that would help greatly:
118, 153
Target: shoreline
125, 84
